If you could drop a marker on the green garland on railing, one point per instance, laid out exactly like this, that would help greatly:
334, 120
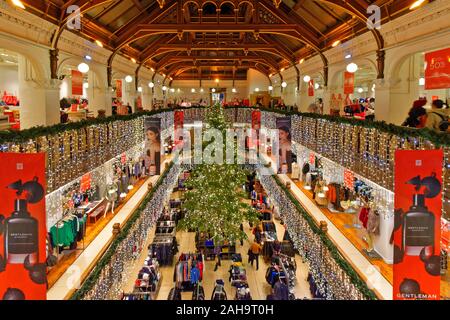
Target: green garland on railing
348, 269
437, 138
89, 283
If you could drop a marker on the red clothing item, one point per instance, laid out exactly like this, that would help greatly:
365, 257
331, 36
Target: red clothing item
364, 216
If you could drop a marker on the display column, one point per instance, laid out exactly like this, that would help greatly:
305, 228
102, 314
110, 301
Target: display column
146, 98
326, 99
108, 100
39, 98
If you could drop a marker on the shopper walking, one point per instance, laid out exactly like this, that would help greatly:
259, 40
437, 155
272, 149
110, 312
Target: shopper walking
417, 115
241, 227
438, 117
255, 251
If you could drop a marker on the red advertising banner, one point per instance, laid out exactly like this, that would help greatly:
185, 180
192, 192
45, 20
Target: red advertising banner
437, 69
77, 83
311, 88
85, 183
178, 123
312, 158
23, 231
349, 82
118, 88
417, 229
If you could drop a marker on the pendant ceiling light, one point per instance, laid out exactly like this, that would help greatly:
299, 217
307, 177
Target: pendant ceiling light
161, 3
139, 89
352, 67
306, 78
270, 88
151, 84
284, 84
234, 90
164, 88
83, 67
128, 79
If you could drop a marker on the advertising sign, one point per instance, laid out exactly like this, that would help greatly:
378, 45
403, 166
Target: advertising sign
349, 82
284, 145
153, 146
23, 230
77, 83
417, 229
437, 69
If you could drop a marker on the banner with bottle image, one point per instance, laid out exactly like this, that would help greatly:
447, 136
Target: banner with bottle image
284, 145
23, 229
178, 123
152, 149
416, 234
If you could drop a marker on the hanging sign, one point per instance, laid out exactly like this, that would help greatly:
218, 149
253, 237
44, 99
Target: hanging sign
437, 69
284, 145
23, 230
349, 82
178, 123
417, 230
123, 158
349, 178
153, 146
77, 83
312, 158
311, 88
85, 183
118, 88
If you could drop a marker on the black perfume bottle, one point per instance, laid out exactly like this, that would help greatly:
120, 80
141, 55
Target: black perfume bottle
418, 228
21, 235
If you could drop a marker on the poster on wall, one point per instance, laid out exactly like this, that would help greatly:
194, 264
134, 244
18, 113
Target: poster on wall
118, 88
437, 69
152, 150
311, 88
77, 83
417, 229
349, 82
284, 145
23, 230
349, 179
178, 123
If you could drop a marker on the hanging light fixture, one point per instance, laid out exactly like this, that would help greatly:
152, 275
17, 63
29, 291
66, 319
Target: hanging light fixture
416, 4
201, 90
128, 79
213, 90
234, 90
302, 60
256, 89
18, 3
317, 86
88, 57
421, 81
99, 43
270, 88
139, 89
86, 85
83, 67
164, 88
151, 85
352, 67
306, 78
360, 90
284, 84
133, 60
193, 90
336, 43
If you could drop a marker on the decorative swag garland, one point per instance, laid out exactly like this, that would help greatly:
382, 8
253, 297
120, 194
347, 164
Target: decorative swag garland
332, 274
104, 276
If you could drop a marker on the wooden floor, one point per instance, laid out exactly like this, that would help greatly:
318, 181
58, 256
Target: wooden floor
92, 231
355, 236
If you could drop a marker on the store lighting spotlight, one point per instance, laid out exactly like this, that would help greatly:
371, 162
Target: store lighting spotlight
86, 85
284, 84
193, 90
352, 67
128, 79
416, 4
213, 90
217, 80
83, 67
306, 78
270, 88
99, 43
421, 81
18, 3
164, 88
151, 85
88, 57
139, 89
349, 56
336, 43
282, 69
301, 61
133, 60
256, 89
153, 70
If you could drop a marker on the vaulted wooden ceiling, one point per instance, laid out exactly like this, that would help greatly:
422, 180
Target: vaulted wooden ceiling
205, 39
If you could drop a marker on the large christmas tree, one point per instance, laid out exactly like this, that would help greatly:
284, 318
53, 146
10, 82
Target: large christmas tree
214, 202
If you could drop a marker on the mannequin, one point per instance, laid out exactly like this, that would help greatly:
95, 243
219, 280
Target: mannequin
110, 196
373, 226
